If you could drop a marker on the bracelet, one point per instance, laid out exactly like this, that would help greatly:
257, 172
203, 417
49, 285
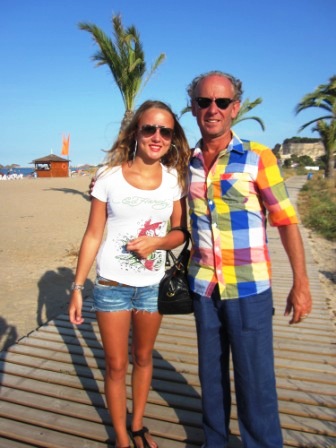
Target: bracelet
75, 287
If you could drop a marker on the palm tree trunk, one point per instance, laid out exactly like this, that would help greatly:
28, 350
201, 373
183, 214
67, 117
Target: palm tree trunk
330, 165
126, 119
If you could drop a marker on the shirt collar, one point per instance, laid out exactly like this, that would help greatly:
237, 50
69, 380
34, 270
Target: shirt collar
235, 144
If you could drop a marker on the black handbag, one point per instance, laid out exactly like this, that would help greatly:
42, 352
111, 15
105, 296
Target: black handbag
174, 293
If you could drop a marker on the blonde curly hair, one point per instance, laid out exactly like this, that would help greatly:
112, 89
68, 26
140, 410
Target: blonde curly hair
177, 157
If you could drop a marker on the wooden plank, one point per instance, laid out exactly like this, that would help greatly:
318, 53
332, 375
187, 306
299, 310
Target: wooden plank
36, 436
35, 394
307, 440
284, 368
58, 344
56, 422
7, 443
287, 390
305, 393
301, 360
97, 413
42, 437
92, 407
318, 345
93, 431
310, 425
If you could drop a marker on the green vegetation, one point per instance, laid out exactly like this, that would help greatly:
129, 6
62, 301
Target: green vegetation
323, 98
301, 140
317, 206
124, 56
300, 161
245, 108
288, 172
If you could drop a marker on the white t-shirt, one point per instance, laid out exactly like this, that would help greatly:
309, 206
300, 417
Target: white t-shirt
133, 212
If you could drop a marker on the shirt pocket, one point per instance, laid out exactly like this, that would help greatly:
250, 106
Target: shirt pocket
236, 188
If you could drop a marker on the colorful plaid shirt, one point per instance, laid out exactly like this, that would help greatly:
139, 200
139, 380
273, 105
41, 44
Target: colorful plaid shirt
228, 207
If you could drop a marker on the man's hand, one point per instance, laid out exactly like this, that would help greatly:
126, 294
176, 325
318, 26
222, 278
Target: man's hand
93, 181
299, 303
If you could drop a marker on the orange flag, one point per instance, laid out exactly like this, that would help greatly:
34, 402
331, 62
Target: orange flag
65, 146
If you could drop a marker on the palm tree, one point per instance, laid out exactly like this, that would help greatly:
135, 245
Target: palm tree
323, 97
327, 131
125, 58
244, 109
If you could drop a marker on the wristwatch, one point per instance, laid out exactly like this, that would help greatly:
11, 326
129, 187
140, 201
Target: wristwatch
74, 286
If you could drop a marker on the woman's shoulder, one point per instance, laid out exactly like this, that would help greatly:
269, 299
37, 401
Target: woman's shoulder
169, 171
170, 178
106, 171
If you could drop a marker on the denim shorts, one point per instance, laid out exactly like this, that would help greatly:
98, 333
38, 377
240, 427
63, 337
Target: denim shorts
125, 298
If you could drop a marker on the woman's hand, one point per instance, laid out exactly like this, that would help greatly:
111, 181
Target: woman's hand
75, 308
143, 246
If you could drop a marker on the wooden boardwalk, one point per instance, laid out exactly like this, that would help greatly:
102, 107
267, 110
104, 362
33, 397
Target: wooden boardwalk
52, 380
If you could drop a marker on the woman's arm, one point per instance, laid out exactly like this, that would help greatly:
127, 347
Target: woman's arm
88, 251
143, 246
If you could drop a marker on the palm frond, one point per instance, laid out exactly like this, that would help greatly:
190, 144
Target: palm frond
185, 110
246, 107
257, 119
323, 97
315, 120
124, 55
155, 66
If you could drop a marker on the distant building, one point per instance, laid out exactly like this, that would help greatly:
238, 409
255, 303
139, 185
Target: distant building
51, 166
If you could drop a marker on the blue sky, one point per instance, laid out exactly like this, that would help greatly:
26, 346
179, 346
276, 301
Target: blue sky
49, 86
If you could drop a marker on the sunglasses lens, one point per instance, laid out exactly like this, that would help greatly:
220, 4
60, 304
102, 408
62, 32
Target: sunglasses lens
148, 130
203, 102
223, 103
166, 133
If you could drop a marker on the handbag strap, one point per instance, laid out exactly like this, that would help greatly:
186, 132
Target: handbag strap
186, 233
176, 260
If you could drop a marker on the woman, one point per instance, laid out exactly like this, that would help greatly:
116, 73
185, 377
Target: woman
138, 191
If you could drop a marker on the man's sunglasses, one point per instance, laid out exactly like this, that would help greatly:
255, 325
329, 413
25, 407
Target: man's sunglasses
148, 130
222, 103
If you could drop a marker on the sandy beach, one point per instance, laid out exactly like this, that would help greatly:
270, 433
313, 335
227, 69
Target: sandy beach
41, 227
42, 224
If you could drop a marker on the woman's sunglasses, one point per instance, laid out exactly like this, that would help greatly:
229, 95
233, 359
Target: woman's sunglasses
222, 103
148, 130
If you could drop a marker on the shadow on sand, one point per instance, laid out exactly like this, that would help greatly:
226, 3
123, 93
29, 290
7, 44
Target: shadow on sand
85, 195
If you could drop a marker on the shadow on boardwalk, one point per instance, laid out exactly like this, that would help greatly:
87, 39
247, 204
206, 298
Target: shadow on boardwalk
52, 381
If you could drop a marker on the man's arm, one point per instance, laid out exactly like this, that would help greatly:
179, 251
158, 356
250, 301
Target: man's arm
299, 300
92, 182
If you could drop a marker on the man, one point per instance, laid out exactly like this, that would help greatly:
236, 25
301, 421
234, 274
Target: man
232, 184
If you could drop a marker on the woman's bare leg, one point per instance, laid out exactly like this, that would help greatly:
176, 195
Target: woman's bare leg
114, 329
145, 329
